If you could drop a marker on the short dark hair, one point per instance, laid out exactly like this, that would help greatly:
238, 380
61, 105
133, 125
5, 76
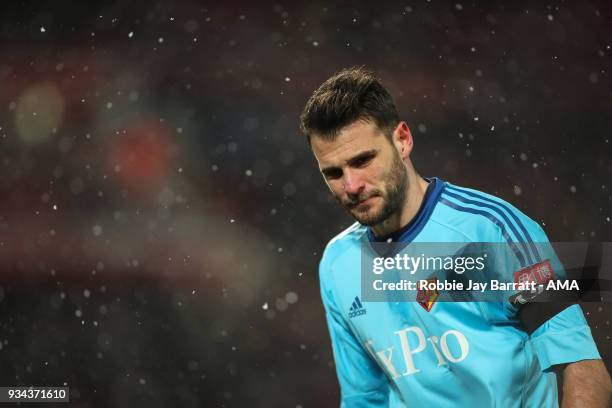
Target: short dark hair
351, 94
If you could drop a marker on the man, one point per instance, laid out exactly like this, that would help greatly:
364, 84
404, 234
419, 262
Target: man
399, 354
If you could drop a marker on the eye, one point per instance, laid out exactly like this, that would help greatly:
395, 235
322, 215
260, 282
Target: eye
362, 161
332, 174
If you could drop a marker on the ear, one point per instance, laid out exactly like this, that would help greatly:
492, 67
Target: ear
402, 139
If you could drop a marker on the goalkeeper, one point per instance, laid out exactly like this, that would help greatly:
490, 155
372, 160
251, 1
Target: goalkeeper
444, 354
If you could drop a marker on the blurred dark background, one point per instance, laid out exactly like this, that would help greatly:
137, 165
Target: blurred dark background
162, 219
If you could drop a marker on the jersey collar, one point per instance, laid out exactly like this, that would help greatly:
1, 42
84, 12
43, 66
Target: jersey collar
408, 232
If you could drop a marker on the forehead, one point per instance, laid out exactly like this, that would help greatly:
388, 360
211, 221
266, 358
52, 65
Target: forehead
358, 137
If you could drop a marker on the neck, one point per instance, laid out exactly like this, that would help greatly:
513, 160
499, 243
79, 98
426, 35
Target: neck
417, 186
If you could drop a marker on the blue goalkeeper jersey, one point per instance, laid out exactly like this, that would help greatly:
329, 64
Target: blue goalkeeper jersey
456, 354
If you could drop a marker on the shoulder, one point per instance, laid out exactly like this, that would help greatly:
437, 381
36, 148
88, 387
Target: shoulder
341, 255
345, 241
485, 215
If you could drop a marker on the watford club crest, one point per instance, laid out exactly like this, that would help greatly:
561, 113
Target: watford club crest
427, 297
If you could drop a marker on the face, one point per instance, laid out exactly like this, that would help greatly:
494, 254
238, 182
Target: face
364, 170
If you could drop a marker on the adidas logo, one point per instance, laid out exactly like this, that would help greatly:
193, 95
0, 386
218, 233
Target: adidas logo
356, 309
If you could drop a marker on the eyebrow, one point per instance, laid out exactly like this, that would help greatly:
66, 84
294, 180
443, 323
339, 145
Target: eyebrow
357, 157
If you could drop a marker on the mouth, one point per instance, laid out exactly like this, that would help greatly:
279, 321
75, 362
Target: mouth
362, 203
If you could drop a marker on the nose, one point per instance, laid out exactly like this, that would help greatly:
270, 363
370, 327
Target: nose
353, 184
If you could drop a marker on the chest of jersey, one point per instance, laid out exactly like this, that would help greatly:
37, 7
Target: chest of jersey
429, 346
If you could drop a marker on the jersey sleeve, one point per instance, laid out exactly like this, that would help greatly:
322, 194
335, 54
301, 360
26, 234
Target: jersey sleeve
559, 332
362, 382
564, 338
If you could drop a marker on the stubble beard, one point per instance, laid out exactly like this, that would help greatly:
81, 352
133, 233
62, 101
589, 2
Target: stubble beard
393, 197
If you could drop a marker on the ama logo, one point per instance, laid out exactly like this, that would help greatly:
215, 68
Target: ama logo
356, 309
